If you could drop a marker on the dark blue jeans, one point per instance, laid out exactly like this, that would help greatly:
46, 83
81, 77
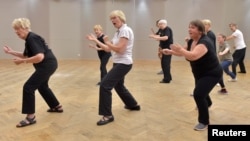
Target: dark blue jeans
114, 79
225, 66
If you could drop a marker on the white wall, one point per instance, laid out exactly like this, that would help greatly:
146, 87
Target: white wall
65, 23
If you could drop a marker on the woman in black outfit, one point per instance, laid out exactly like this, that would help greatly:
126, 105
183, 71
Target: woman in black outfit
38, 53
102, 54
205, 67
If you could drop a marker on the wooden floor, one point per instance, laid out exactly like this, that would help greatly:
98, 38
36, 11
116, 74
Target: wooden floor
168, 111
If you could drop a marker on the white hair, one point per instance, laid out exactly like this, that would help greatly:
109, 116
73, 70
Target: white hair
163, 21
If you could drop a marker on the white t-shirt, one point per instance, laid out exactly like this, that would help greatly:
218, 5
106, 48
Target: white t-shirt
126, 56
238, 40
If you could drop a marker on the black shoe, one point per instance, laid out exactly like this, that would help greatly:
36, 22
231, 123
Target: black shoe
135, 108
162, 81
242, 72
105, 120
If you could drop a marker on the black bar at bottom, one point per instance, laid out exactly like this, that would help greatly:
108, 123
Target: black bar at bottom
235, 132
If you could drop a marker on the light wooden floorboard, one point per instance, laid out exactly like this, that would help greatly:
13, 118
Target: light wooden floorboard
168, 112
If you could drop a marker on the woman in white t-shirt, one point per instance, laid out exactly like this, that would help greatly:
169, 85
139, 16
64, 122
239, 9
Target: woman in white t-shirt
240, 48
121, 47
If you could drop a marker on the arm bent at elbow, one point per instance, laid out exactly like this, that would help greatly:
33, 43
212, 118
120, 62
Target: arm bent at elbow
35, 59
120, 46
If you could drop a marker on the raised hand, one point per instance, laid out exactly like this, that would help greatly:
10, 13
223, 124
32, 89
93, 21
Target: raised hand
7, 49
91, 46
176, 47
91, 37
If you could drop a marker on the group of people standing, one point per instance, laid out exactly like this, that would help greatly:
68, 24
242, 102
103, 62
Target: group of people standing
200, 51
224, 54
206, 63
228, 55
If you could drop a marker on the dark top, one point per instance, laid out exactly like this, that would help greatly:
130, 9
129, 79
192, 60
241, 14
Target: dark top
102, 52
166, 32
207, 65
35, 44
158, 33
212, 36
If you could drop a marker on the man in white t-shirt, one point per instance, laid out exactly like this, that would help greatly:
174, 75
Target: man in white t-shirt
240, 48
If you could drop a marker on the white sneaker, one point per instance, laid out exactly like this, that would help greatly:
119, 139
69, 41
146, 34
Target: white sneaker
232, 80
218, 84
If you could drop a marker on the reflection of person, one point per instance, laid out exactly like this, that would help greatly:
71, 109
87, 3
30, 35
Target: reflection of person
166, 39
103, 55
240, 48
121, 46
38, 53
205, 67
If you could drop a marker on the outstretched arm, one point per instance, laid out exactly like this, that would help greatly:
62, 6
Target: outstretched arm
194, 54
10, 51
20, 58
158, 37
34, 59
95, 47
224, 52
230, 37
91, 37
174, 51
170, 52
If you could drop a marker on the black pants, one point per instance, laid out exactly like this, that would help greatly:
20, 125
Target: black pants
221, 82
114, 79
166, 65
238, 58
104, 58
39, 81
203, 87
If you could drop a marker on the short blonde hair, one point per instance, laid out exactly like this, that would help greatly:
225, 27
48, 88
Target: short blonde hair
207, 22
119, 14
21, 23
99, 27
